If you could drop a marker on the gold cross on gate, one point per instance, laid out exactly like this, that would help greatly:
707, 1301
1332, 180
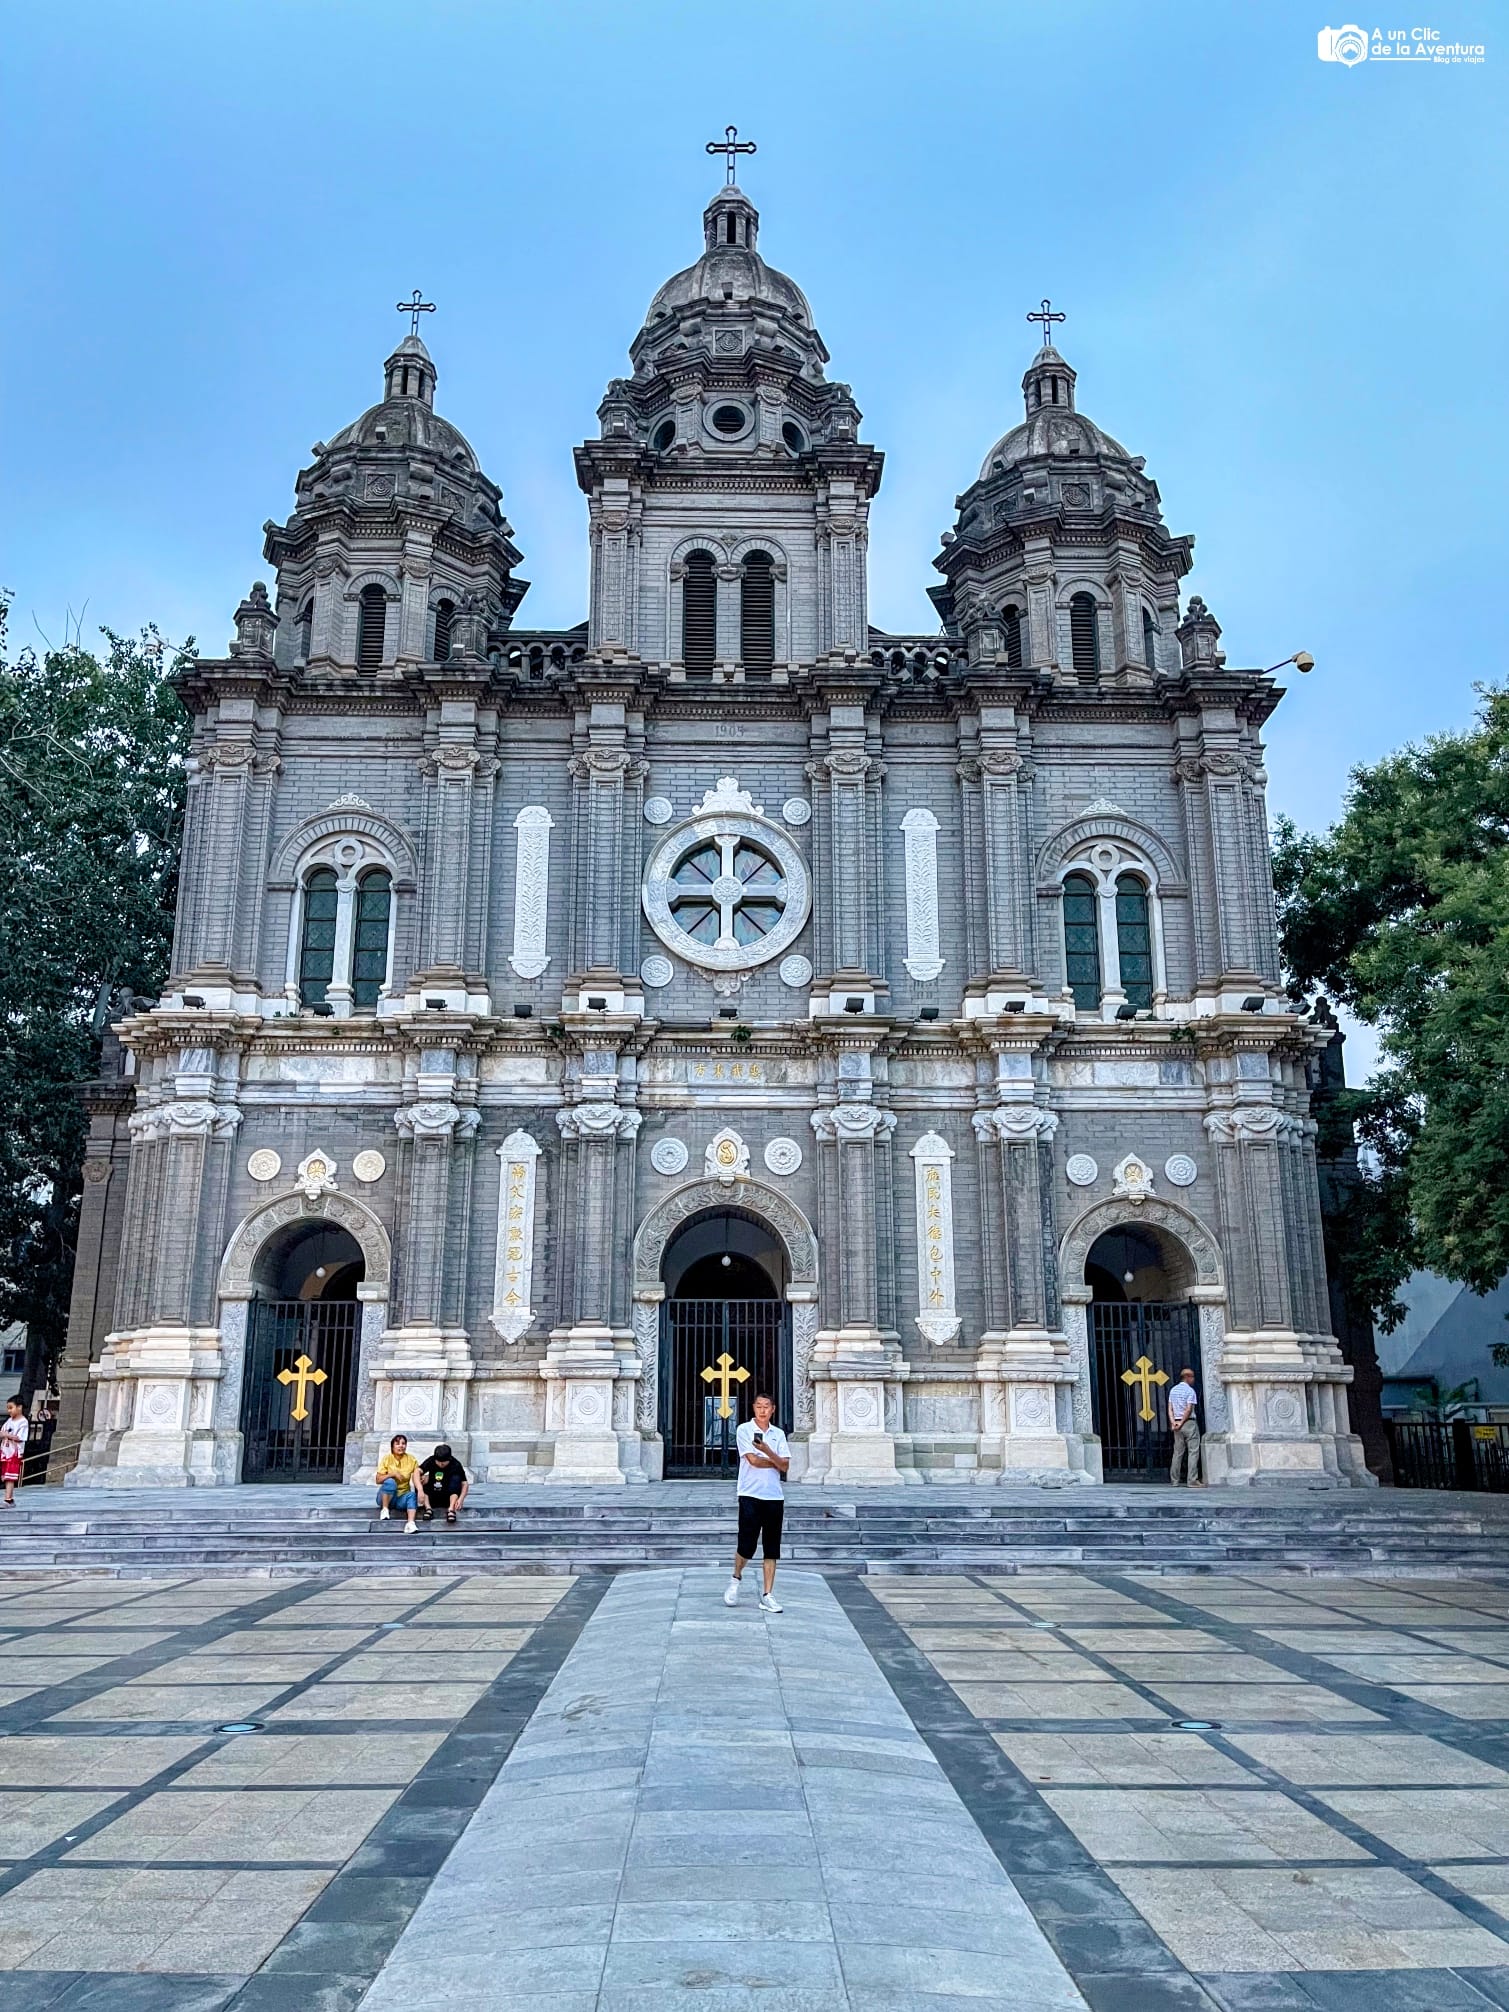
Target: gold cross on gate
303, 1374
725, 1375
1145, 1376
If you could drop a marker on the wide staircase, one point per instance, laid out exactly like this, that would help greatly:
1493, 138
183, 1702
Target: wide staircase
278, 1530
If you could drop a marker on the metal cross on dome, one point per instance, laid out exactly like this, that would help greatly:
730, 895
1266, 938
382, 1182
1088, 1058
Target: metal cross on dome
1047, 317
416, 307
731, 146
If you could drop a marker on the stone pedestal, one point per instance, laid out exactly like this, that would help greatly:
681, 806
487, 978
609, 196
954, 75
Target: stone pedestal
1285, 1414
590, 1374
155, 1413
1026, 1423
857, 1374
419, 1376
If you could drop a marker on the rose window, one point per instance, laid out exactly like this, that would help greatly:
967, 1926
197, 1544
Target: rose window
726, 892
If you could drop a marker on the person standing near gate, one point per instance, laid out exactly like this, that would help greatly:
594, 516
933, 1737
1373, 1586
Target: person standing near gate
764, 1457
1182, 1405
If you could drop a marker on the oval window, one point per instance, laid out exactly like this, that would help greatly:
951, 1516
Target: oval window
794, 437
664, 436
729, 419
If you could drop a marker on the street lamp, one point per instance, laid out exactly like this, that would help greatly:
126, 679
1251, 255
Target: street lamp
1301, 660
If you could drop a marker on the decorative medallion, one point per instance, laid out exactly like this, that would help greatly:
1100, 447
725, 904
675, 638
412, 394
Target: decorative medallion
727, 1157
1134, 1180
1082, 1170
369, 1166
796, 810
1180, 1170
726, 889
657, 971
796, 970
668, 1156
265, 1164
316, 1175
783, 1156
658, 810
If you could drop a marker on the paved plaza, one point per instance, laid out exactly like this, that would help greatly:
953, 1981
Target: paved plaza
947, 1791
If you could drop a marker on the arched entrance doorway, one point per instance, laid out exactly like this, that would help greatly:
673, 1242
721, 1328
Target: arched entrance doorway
725, 1335
303, 1337
1143, 1330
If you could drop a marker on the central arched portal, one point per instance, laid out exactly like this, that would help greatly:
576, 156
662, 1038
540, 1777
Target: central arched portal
302, 1342
725, 1336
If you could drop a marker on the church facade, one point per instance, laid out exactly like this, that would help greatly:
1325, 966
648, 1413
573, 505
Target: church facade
571, 1032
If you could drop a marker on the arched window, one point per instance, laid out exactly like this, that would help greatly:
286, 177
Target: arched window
444, 610
1011, 622
369, 942
317, 946
303, 639
1134, 940
757, 613
371, 622
1082, 941
1149, 640
699, 613
1084, 636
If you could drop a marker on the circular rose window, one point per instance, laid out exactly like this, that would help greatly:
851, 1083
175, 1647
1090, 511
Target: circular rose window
726, 892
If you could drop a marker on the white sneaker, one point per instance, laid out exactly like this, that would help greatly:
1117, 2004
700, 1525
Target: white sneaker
731, 1593
384, 1513
769, 1604
410, 1527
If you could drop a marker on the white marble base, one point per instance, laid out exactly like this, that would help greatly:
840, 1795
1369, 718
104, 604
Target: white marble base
155, 1409
857, 1374
590, 1373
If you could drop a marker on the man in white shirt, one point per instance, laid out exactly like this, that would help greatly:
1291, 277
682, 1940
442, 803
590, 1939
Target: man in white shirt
1182, 1404
764, 1457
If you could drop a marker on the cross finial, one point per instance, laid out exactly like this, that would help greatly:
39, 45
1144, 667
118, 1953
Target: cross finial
416, 307
731, 146
1047, 317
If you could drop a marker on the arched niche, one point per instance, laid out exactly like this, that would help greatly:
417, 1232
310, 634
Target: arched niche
239, 1266
1190, 1248
746, 1198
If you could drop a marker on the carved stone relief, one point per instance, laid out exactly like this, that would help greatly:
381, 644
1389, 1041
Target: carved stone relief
922, 959
514, 1268
531, 895
937, 1320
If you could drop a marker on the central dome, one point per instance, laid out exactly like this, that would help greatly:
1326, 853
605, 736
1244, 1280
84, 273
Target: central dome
732, 279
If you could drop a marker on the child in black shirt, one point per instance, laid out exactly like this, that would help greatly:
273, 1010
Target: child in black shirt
443, 1479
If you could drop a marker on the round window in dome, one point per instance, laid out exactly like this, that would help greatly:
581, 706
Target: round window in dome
729, 420
664, 436
794, 437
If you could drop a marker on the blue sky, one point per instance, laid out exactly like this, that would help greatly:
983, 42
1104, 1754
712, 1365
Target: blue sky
1285, 284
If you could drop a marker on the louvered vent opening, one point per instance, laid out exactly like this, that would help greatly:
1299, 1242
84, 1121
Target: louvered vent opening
1149, 640
370, 623
699, 644
1084, 641
757, 614
1011, 622
444, 610
304, 640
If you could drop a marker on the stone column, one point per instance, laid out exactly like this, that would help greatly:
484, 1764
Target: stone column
420, 1368
1026, 1372
856, 1365
606, 805
846, 784
591, 1368
102, 1212
154, 1416
1284, 1385
455, 773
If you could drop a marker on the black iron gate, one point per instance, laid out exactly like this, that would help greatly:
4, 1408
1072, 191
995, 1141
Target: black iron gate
300, 1399
716, 1356
1136, 1353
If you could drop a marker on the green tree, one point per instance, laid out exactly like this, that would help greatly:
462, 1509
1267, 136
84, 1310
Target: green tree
1401, 911
91, 816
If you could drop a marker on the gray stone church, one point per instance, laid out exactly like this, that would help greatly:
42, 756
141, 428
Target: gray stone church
573, 1032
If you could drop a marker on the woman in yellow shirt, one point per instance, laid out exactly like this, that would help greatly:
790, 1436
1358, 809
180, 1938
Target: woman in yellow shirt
397, 1482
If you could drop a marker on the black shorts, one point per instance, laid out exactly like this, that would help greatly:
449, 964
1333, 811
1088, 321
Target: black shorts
760, 1522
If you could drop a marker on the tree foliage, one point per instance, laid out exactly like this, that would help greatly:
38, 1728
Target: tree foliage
91, 814
1401, 911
